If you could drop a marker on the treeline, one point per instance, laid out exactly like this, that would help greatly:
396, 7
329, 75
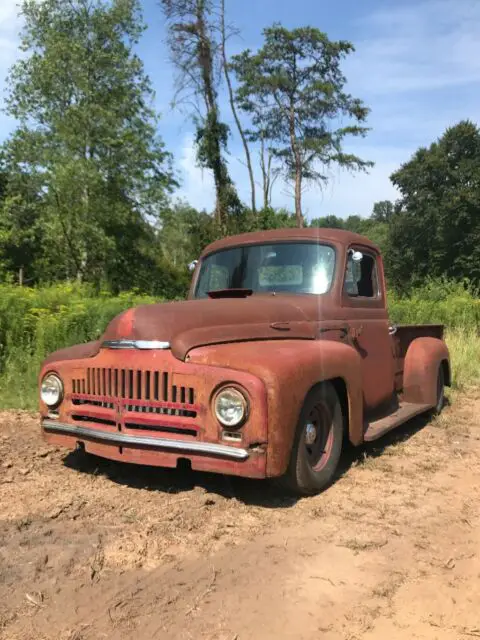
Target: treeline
87, 187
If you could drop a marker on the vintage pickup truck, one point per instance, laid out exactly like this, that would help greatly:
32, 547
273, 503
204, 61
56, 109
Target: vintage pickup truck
281, 354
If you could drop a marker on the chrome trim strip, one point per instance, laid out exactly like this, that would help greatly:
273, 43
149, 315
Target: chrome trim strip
221, 450
135, 344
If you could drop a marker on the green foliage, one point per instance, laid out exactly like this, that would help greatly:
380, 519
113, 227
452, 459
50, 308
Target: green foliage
383, 211
294, 90
464, 346
35, 322
86, 169
438, 301
435, 230
373, 228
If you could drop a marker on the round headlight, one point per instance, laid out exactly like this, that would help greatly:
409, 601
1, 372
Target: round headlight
231, 407
51, 391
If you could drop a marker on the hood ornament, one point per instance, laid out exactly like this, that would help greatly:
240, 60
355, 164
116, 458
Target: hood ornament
135, 344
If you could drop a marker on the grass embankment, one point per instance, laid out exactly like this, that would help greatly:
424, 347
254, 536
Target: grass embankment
35, 322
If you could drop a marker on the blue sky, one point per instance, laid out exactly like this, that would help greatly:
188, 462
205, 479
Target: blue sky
417, 66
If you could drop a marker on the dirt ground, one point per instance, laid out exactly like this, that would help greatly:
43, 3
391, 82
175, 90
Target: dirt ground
91, 549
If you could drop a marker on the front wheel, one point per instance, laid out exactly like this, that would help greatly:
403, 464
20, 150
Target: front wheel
318, 442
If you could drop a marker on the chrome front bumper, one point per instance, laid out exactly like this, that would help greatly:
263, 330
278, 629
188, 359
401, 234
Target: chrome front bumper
165, 444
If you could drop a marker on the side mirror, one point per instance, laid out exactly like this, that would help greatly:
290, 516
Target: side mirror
192, 265
357, 256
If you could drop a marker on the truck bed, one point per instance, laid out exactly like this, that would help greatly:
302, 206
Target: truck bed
406, 333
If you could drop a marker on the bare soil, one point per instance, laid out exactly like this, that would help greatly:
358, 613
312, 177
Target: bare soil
91, 549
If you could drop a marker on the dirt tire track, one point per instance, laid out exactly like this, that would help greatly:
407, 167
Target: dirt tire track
91, 549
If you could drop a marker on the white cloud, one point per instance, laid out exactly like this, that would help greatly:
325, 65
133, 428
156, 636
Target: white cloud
197, 186
424, 45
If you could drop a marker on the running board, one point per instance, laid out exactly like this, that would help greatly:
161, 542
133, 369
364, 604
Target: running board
405, 412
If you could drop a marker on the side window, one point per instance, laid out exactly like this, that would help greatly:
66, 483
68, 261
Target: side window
361, 278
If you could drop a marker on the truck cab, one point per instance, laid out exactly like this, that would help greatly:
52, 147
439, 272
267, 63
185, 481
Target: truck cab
282, 351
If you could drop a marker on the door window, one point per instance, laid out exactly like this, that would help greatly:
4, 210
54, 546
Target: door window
361, 278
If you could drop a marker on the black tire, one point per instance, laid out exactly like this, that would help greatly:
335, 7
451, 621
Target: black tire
313, 462
440, 392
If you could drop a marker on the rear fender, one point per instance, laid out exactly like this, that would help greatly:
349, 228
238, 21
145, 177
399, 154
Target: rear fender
423, 359
290, 369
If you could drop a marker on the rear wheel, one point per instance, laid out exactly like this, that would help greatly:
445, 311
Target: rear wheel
318, 442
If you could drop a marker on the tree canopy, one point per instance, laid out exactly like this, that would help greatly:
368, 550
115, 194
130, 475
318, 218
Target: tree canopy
294, 90
86, 150
435, 230
87, 187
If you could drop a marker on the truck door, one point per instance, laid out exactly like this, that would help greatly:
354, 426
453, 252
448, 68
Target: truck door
363, 300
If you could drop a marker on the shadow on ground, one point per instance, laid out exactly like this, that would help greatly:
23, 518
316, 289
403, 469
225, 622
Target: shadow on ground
251, 492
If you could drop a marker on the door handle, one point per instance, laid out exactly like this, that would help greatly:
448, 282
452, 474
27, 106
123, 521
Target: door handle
355, 332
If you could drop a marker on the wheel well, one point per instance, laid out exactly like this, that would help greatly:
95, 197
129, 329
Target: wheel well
446, 373
341, 389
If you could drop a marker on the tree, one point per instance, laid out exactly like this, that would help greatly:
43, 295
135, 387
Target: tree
193, 41
87, 136
383, 211
233, 106
21, 233
436, 230
328, 222
294, 89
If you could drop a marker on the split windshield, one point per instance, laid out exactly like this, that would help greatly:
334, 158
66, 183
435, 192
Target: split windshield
298, 267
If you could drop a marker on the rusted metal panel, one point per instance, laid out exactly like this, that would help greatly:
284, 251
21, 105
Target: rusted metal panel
290, 369
153, 394
422, 362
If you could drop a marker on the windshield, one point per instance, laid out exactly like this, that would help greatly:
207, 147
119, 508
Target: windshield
298, 267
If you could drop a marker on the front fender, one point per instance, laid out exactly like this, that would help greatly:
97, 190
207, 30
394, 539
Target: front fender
422, 361
289, 369
77, 352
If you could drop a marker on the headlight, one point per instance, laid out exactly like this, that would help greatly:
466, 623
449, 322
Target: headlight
231, 407
51, 391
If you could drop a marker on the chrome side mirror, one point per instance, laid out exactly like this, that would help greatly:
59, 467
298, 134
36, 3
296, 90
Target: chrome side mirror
357, 256
392, 330
192, 265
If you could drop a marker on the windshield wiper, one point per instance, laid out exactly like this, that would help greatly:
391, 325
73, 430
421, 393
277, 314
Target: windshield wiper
230, 293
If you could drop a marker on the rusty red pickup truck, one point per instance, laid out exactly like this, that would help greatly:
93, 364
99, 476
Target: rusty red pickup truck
282, 354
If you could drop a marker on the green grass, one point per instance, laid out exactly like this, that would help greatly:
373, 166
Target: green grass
464, 347
36, 322
454, 304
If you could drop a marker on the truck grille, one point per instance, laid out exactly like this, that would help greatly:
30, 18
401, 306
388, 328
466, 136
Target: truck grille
132, 384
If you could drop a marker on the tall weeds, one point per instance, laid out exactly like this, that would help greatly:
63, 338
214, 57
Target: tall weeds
36, 322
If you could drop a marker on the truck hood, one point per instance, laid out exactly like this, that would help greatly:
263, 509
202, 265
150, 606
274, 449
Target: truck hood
195, 323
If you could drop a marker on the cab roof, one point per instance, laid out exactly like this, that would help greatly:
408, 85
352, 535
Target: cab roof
335, 236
